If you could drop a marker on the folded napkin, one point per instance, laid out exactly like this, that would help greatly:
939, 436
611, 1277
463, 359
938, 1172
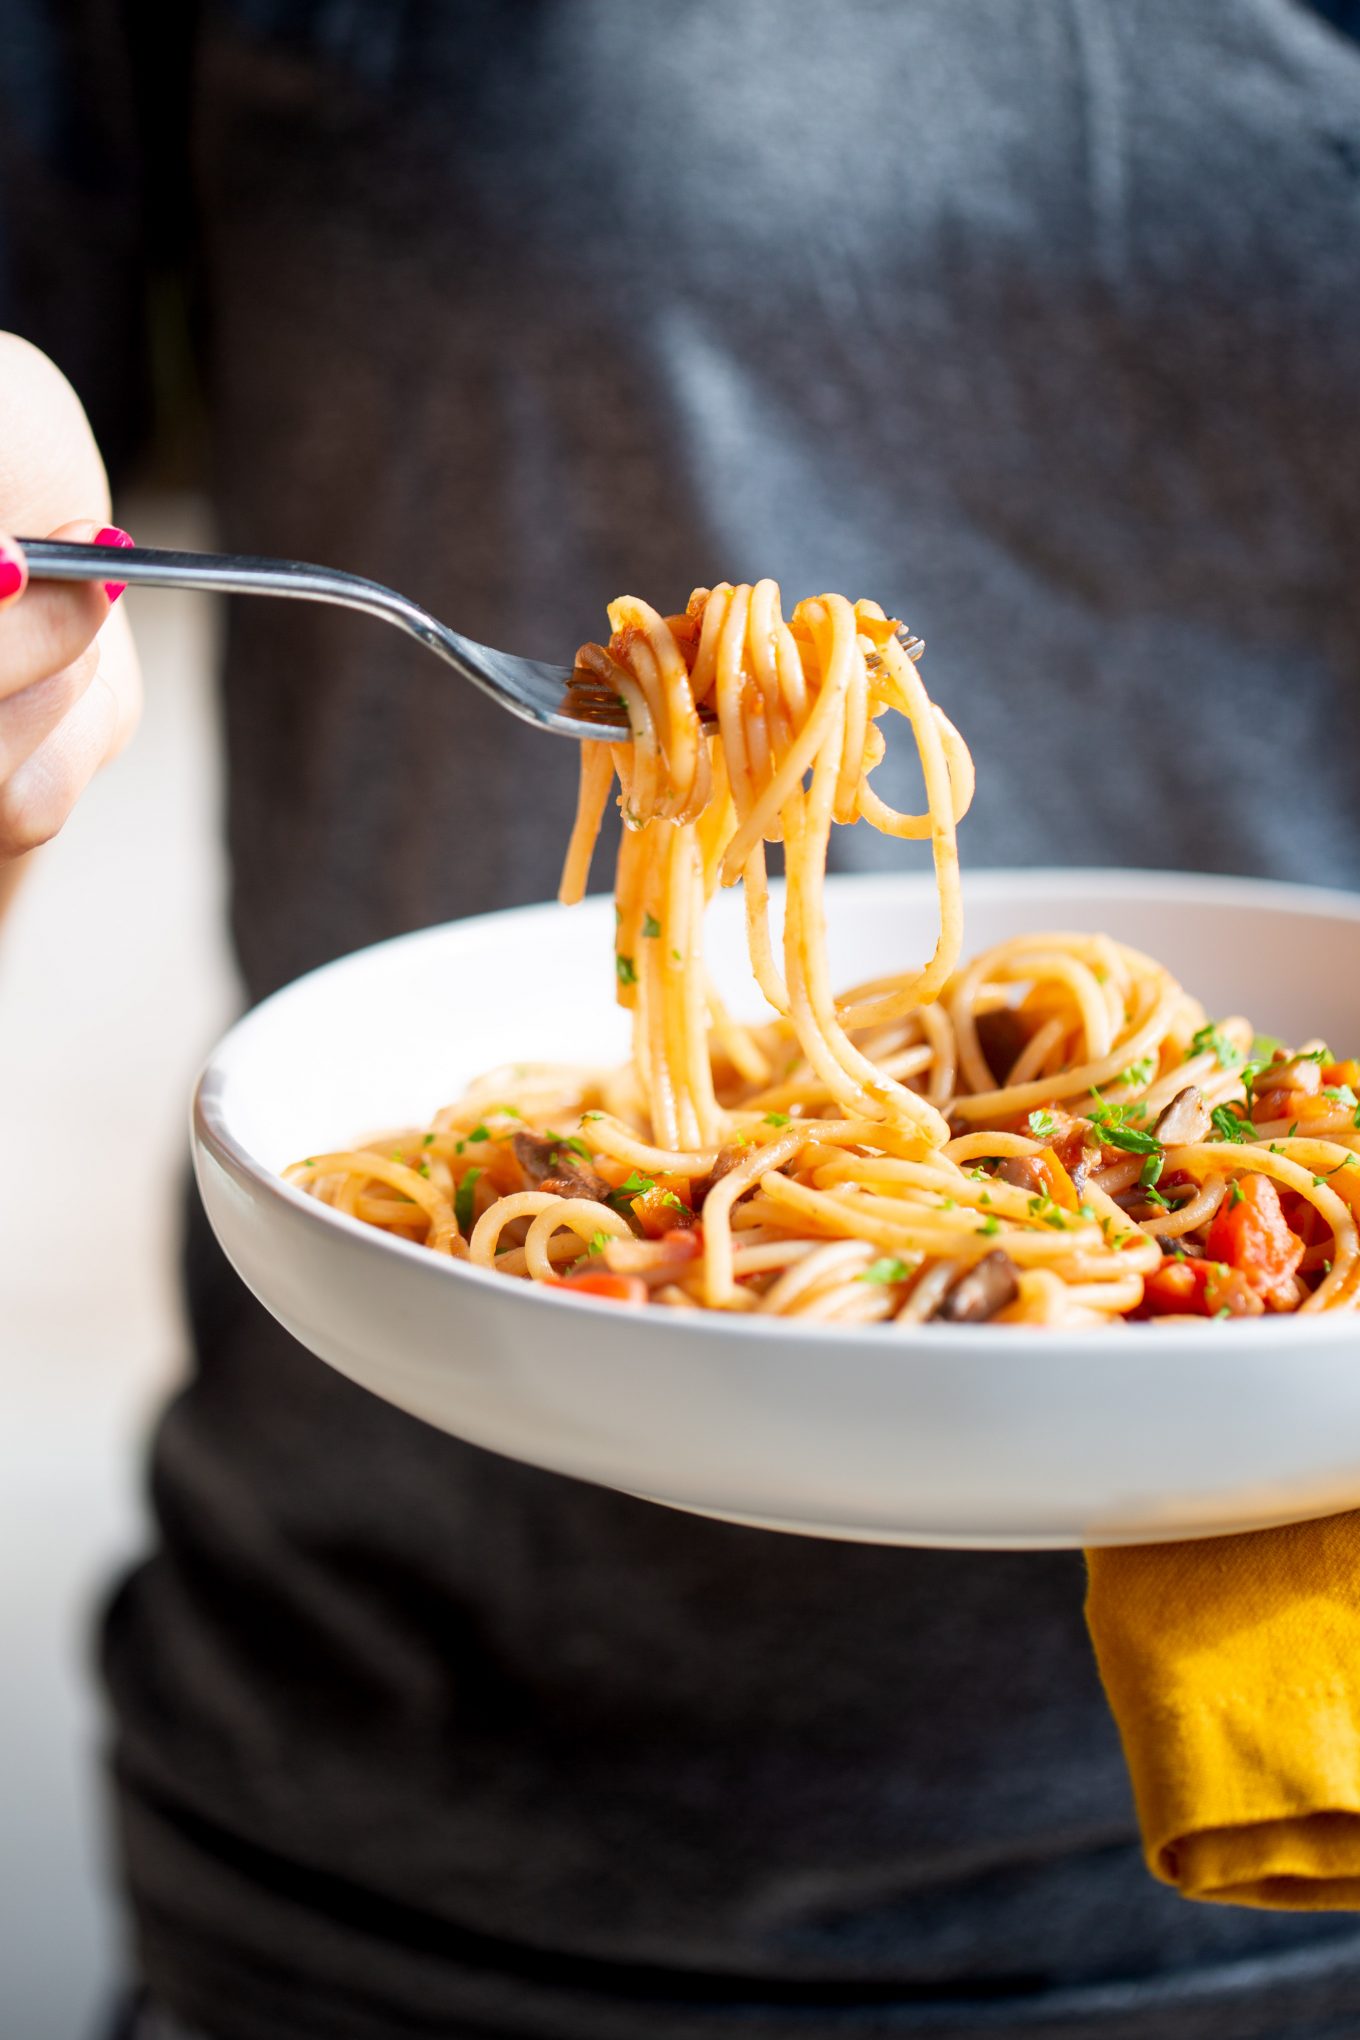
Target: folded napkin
1233, 1670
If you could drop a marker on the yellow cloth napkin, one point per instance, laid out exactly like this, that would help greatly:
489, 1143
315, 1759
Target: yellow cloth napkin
1233, 1670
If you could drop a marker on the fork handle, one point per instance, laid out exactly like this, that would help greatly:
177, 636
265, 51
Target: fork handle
51, 559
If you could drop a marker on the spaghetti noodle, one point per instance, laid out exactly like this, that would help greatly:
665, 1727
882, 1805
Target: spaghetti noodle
1053, 1133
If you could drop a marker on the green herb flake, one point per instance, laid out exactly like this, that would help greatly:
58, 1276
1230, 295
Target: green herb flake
480, 1133
599, 1241
1131, 1139
626, 969
651, 927
1151, 1170
1043, 1125
1211, 1037
1235, 1194
991, 1224
570, 1140
636, 1185
1139, 1072
888, 1269
1228, 1126
1219, 1315
428, 1140
776, 1119
592, 1115
463, 1201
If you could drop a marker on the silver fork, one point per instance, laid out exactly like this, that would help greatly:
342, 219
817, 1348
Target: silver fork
536, 693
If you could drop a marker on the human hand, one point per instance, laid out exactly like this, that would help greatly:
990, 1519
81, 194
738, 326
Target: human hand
70, 689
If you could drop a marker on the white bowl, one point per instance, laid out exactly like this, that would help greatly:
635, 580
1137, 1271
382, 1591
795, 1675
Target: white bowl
945, 1435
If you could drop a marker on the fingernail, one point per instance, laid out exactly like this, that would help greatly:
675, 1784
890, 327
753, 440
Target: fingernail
12, 571
111, 535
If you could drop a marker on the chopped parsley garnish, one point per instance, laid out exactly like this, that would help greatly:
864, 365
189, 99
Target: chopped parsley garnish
592, 1115
777, 1118
1340, 1094
1235, 1194
1219, 1314
1043, 1125
636, 1185
626, 969
570, 1140
1264, 1047
480, 1133
599, 1241
991, 1224
651, 927
1151, 1170
1154, 1196
462, 1201
1228, 1126
1212, 1037
1139, 1072
1131, 1139
428, 1140
888, 1269
1317, 1055
1103, 1114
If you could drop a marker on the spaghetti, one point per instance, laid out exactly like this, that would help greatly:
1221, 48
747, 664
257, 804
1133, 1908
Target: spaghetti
1053, 1133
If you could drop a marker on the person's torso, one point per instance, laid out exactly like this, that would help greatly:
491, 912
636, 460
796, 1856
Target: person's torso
1034, 323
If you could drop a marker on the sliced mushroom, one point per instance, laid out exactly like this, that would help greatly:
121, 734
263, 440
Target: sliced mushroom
724, 1162
980, 1292
1184, 1120
1023, 1172
551, 1165
1002, 1037
1299, 1073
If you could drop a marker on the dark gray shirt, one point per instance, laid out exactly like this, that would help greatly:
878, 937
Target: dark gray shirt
1037, 322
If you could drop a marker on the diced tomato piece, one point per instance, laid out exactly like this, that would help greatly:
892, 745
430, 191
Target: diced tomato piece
1193, 1288
1297, 1105
599, 1282
663, 1210
1176, 1287
1061, 1188
1249, 1234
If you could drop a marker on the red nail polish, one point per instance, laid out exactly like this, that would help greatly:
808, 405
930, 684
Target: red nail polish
111, 535
11, 577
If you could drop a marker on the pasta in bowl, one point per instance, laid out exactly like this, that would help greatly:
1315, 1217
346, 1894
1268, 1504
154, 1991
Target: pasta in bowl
938, 1432
1046, 1247
1055, 1133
